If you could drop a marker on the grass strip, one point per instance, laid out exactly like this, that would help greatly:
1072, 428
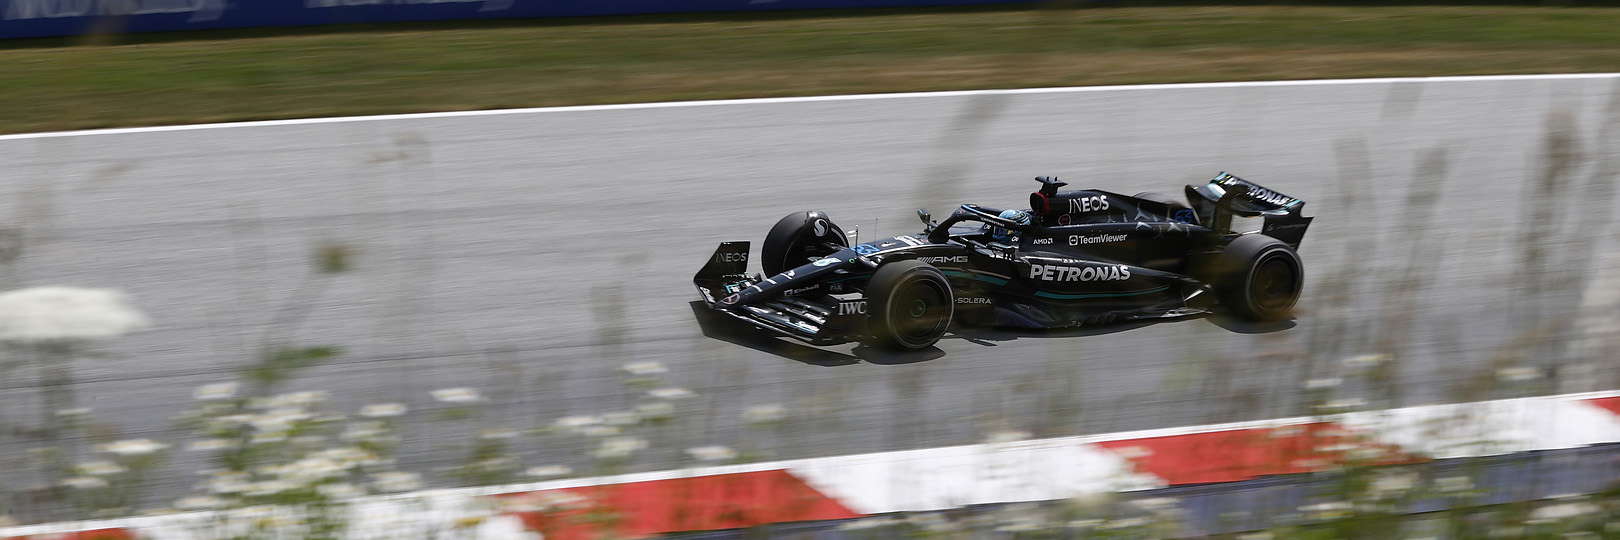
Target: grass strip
161, 79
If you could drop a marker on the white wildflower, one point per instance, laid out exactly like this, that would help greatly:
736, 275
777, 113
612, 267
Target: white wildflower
203, 502
78, 412
644, 368
395, 481
1346, 404
84, 482
1452, 484
457, 395
364, 431
599, 431
500, 433
1127, 523
229, 485
278, 420
576, 423
621, 418
1517, 374
216, 391
656, 410
298, 399
1159, 504
339, 491
132, 447
1319, 384
270, 487
63, 314
712, 453
670, 393
764, 414
383, 410
619, 447
99, 467
345, 454
549, 470
1006, 436
1393, 483
868, 523
1366, 360
1328, 509
1562, 511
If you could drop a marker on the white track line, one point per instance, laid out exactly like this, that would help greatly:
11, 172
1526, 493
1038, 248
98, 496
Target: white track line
808, 99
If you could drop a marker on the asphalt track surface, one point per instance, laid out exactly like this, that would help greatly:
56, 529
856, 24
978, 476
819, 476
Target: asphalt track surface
1463, 226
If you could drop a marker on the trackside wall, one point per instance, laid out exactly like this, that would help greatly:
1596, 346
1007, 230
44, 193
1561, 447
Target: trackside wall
43, 18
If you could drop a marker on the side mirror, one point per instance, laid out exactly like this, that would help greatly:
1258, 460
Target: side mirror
922, 214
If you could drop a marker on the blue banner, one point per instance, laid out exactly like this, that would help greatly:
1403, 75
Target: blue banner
40, 18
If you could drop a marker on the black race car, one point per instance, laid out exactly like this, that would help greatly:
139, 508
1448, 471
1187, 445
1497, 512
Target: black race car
1073, 258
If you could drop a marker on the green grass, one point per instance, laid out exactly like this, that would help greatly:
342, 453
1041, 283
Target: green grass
109, 81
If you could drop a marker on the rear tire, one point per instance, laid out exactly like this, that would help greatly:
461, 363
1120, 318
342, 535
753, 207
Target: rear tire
1259, 278
796, 239
909, 305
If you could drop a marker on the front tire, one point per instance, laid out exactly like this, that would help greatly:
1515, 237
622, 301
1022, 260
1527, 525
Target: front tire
796, 239
1259, 278
910, 305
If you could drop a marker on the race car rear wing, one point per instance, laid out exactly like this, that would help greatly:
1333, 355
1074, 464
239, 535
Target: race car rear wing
1226, 196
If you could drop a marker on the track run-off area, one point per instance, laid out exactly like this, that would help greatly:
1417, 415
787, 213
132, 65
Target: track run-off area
1464, 249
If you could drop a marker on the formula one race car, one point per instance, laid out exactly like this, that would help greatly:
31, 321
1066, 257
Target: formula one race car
1073, 258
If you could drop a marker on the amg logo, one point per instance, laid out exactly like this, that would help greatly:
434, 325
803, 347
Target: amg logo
731, 257
853, 307
937, 260
1088, 204
1042, 241
972, 300
1116, 272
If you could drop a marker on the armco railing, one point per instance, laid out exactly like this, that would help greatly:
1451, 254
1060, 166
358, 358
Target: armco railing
43, 18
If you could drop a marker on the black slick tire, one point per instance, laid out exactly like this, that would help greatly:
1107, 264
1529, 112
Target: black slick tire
1258, 278
909, 305
797, 238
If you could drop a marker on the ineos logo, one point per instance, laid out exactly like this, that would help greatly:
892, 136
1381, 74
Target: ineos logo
1088, 204
731, 257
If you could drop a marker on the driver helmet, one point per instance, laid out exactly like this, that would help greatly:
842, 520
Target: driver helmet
1016, 216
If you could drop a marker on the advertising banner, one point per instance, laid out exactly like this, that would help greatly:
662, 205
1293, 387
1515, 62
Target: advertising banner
41, 18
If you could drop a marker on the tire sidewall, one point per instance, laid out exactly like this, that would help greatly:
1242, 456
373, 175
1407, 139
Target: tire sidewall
788, 241
1241, 263
885, 295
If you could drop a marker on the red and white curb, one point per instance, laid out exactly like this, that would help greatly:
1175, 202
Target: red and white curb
709, 498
